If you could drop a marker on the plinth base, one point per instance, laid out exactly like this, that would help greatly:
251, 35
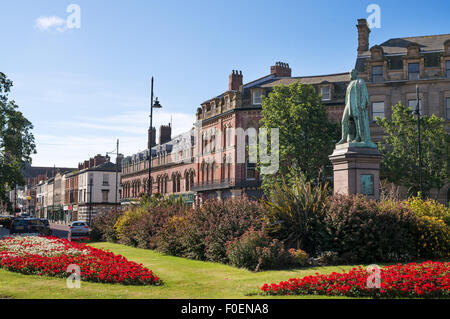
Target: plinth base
356, 170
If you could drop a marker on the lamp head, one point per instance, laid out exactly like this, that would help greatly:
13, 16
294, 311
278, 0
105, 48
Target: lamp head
156, 104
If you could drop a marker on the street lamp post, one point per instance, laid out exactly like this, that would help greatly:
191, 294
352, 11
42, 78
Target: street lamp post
153, 104
417, 112
117, 173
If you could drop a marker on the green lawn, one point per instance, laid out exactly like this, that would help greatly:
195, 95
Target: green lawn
183, 278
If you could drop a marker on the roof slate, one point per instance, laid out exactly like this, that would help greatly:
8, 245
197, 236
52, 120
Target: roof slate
332, 78
400, 45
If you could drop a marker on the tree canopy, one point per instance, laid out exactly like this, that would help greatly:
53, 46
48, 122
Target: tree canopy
306, 135
16, 140
400, 148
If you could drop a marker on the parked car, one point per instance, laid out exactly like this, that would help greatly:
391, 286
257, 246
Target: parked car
29, 225
78, 230
5, 221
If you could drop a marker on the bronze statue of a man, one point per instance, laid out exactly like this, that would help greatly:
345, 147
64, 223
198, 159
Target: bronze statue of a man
355, 121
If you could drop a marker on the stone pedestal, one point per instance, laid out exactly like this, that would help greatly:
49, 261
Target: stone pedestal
356, 170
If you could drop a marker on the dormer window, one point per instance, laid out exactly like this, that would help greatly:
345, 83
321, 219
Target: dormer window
413, 71
227, 102
257, 97
326, 93
377, 73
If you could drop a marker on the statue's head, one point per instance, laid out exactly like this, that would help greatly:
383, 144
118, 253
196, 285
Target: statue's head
354, 74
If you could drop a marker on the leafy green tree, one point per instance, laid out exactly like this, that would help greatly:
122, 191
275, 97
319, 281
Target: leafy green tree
16, 141
307, 136
400, 164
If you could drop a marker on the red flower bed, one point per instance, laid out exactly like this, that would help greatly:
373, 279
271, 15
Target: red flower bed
425, 280
50, 256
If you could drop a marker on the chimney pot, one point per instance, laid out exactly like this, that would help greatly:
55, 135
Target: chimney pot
165, 132
281, 69
363, 35
235, 80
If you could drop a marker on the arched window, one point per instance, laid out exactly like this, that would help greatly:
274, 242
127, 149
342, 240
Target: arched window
213, 169
166, 181
224, 168
186, 181
191, 180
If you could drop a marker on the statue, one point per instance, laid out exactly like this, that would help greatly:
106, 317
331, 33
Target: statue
355, 121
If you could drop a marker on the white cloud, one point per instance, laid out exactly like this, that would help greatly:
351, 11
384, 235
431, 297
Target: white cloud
49, 23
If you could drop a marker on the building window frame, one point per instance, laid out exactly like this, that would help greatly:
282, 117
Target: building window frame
257, 97
376, 112
377, 73
414, 71
250, 171
447, 108
447, 69
412, 105
325, 92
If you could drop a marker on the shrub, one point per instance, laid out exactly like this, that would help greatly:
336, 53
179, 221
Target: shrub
368, 231
210, 226
430, 208
169, 239
103, 226
433, 238
294, 212
299, 257
255, 250
139, 227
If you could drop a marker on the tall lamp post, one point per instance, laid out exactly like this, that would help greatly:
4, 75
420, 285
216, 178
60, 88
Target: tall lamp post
417, 112
117, 172
153, 104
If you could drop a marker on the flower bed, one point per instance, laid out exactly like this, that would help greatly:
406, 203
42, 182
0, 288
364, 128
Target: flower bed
50, 256
425, 280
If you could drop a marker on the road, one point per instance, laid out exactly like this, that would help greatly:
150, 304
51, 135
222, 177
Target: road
61, 231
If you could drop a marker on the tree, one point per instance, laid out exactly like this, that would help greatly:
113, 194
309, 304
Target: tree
400, 164
307, 136
16, 141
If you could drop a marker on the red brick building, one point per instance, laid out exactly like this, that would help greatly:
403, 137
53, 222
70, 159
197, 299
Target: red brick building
204, 163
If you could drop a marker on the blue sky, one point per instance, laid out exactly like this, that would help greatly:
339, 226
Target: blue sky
84, 88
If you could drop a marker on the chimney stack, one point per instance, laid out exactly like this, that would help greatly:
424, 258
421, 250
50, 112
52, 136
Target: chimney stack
363, 36
151, 143
235, 80
165, 132
281, 70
